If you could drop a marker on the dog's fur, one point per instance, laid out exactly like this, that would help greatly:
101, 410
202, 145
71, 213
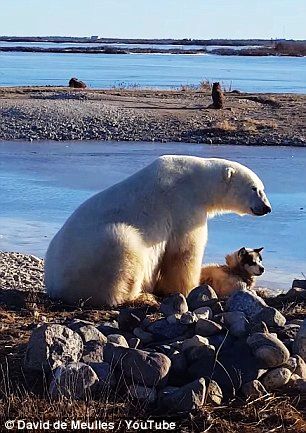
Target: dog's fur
241, 268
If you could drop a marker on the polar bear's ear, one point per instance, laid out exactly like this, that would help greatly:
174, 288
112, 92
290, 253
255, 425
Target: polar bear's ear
228, 173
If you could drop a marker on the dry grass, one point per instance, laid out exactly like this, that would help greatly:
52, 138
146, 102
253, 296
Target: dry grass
254, 125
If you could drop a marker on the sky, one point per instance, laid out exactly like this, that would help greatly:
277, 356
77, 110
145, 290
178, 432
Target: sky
203, 19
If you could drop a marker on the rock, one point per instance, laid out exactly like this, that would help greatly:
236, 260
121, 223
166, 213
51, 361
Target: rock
247, 302
174, 318
296, 294
195, 341
174, 304
93, 352
138, 366
162, 329
117, 339
270, 316
301, 284
108, 328
299, 345
74, 380
206, 327
184, 399
203, 313
12, 299
88, 332
76, 84
276, 378
178, 369
130, 318
142, 393
52, 345
230, 370
214, 393
105, 375
144, 336
288, 332
200, 297
269, 349
300, 366
235, 321
300, 385
134, 342
207, 352
188, 318
253, 390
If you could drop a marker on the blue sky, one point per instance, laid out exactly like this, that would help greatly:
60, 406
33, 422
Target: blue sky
156, 18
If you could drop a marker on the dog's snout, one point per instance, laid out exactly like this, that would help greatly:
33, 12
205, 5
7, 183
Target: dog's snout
261, 270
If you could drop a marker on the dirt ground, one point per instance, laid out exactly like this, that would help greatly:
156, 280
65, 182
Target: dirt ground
184, 114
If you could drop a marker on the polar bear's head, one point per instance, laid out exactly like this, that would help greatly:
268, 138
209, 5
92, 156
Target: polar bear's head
241, 191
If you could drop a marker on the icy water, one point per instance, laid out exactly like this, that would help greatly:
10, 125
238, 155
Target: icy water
42, 183
251, 74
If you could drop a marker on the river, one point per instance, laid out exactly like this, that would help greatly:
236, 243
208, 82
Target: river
250, 74
42, 183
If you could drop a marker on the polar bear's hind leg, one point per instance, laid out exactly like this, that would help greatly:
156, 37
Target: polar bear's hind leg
123, 264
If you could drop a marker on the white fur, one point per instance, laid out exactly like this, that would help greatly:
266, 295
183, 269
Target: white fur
147, 233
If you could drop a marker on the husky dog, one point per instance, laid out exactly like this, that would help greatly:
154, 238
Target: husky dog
242, 266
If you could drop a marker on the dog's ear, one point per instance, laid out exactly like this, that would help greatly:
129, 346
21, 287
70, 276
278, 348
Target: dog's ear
228, 174
258, 250
242, 252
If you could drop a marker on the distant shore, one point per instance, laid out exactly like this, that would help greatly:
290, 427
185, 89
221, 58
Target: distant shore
124, 114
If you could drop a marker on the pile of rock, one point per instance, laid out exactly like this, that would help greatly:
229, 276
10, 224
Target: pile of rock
191, 351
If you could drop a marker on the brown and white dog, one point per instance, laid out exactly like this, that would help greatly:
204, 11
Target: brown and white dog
242, 266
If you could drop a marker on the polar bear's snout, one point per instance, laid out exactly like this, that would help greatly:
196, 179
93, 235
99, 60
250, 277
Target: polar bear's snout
261, 205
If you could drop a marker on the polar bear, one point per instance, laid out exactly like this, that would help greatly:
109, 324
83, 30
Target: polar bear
147, 234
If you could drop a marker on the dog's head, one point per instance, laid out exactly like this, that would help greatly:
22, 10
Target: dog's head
251, 260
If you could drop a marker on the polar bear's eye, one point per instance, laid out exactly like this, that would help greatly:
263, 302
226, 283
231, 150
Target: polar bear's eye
254, 188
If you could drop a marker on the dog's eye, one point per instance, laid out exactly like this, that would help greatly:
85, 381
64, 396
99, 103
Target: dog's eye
254, 188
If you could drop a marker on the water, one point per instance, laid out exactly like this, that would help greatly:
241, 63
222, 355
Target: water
251, 74
42, 183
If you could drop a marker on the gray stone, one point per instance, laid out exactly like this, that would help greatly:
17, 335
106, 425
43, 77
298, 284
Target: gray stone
188, 318
270, 316
105, 375
108, 328
174, 304
52, 345
195, 341
276, 378
300, 367
269, 349
134, 342
193, 354
203, 312
74, 380
142, 393
301, 284
144, 336
253, 390
130, 318
296, 294
184, 399
301, 385
289, 331
117, 339
201, 297
163, 329
299, 345
235, 321
206, 327
214, 393
93, 352
138, 366
174, 318
88, 332
247, 302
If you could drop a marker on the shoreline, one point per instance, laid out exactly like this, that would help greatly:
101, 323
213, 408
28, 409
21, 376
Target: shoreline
139, 114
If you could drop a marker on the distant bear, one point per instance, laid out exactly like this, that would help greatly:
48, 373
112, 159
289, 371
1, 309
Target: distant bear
77, 84
148, 233
217, 96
